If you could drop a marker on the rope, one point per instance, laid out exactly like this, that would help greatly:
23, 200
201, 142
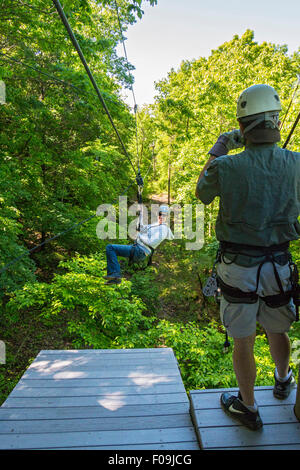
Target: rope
149, 167
291, 101
82, 58
297, 118
131, 87
292, 130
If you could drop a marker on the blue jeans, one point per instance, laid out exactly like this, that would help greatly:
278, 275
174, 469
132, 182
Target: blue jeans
112, 253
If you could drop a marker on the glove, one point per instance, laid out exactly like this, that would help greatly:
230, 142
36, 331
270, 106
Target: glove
227, 141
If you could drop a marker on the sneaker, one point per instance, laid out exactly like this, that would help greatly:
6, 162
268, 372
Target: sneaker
282, 390
114, 280
233, 406
111, 276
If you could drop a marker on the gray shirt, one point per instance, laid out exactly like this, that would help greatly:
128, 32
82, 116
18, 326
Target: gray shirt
259, 191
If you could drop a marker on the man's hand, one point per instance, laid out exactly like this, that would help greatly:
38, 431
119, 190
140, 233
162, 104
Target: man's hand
226, 142
235, 139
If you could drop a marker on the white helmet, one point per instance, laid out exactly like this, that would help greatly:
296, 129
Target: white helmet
257, 99
163, 210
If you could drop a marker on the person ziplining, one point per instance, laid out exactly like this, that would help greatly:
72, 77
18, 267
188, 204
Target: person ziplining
149, 237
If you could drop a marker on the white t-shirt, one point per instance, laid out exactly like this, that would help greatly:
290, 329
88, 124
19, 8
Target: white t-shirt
153, 235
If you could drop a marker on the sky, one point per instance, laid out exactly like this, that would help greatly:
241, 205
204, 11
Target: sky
176, 30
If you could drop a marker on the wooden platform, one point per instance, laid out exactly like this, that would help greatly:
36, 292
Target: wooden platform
99, 399
217, 431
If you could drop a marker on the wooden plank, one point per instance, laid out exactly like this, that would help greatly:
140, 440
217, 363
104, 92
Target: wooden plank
99, 399
188, 445
105, 361
111, 401
94, 438
233, 389
80, 412
74, 364
142, 381
264, 397
216, 430
107, 355
94, 424
129, 371
271, 447
129, 351
160, 365
269, 415
29, 392
240, 436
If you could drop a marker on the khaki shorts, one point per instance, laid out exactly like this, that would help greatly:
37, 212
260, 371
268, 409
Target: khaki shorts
240, 319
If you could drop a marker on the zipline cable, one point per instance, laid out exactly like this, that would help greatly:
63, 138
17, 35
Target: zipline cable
82, 58
291, 132
291, 101
131, 86
297, 118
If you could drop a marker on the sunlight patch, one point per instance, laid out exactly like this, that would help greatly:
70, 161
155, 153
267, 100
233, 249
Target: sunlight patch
48, 366
147, 380
69, 375
113, 402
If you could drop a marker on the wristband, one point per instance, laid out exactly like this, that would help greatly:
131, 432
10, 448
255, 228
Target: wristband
219, 148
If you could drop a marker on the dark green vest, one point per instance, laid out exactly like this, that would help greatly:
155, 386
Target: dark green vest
259, 196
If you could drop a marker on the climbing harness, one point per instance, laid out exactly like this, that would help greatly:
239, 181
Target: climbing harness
212, 289
235, 295
140, 185
132, 257
215, 286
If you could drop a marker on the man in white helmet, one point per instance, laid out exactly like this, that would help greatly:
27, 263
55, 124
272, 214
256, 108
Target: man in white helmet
259, 190
148, 239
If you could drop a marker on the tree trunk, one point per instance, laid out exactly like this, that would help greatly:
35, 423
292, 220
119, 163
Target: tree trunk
169, 183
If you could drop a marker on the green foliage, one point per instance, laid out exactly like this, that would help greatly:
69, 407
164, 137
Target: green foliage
104, 317
143, 285
99, 316
10, 248
59, 155
60, 159
197, 102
